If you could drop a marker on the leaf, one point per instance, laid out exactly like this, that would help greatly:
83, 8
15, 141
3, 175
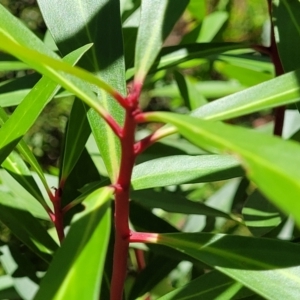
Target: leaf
268, 267
77, 133
260, 215
176, 203
286, 21
21, 270
211, 25
191, 96
46, 64
17, 168
148, 278
209, 287
76, 270
20, 121
245, 76
9, 63
174, 55
178, 169
269, 161
31, 232
278, 91
157, 20
96, 22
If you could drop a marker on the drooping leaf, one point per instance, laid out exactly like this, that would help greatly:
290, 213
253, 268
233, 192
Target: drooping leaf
96, 22
76, 271
270, 162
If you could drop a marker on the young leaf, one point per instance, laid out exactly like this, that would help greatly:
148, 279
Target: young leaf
76, 271
269, 161
157, 20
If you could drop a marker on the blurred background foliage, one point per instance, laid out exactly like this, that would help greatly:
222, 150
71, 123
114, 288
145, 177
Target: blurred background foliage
235, 21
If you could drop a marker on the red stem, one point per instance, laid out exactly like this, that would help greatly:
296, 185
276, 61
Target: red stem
122, 203
57, 217
140, 259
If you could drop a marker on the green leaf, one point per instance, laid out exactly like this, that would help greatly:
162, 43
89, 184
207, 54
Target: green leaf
76, 270
209, 287
245, 76
276, 92
178, 169
157, 20
96, 22
260, 215
21, 270
9, 63
77, 133
269, 161
211, 25
287, 21
31, 232
17, 168
20, 121
268, 267
190, 94
174, 55
176, 203
15, 35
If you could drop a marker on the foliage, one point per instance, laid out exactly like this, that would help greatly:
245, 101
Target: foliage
163, 191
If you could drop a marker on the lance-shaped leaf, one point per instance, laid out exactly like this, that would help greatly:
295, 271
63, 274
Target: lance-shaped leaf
279, 91
96, 22
268, 267
76, 270
157, 20
20, 121
19, 41
178, 169
270, 162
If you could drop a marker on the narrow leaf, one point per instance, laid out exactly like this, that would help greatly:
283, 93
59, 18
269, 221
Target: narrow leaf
178, 169
157, 20
76, 271
268, 267
269, 161
287, 21
96, 22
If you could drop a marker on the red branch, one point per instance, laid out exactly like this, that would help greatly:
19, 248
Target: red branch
57, 216
122, 187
